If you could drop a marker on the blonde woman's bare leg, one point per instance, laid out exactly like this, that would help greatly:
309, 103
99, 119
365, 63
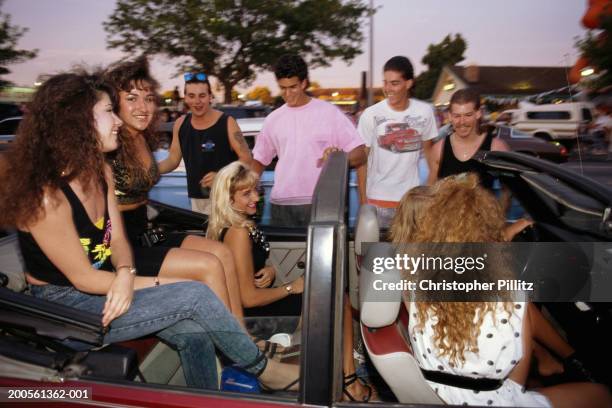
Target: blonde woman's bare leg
223, 253
197, 266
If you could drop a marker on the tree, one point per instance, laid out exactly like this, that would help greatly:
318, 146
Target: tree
261, 93
448, 52
234, 39
598, 51
9, 35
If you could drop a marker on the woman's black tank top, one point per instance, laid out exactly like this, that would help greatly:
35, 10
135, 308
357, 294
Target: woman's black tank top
95, 242
204, 151
450, 165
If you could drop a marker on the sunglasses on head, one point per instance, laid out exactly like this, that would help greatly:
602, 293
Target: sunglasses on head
189, 76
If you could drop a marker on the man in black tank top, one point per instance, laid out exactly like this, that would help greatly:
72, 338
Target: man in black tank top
453, 155
206, 139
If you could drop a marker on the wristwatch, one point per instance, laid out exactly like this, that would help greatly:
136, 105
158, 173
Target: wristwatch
289, 289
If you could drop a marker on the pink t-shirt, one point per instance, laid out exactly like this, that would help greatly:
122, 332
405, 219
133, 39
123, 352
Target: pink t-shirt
298, 136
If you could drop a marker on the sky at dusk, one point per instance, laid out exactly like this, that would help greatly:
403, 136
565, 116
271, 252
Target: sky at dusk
519, 33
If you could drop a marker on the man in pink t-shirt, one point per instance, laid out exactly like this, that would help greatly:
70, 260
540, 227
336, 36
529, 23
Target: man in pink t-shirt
301, 133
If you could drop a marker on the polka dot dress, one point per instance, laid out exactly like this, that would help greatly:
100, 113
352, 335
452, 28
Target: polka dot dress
500, 349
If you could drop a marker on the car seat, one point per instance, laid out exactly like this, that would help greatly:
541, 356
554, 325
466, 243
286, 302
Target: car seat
384, 319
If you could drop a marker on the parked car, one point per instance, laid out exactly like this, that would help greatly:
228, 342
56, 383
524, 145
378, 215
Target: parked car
521, 142
245, 111
561, 122
565, 206
524, 143
9, 110
8, 129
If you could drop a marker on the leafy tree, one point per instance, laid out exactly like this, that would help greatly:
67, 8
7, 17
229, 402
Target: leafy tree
448, 52
598, 50
234, 39
9, 35
261, 93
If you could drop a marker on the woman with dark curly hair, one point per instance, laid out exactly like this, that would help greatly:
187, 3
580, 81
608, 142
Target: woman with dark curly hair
135, 171
57, 190
468, 342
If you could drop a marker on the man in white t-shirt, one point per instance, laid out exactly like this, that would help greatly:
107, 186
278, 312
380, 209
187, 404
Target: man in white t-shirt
395, 131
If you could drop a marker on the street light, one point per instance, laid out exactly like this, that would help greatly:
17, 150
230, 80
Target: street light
586, 71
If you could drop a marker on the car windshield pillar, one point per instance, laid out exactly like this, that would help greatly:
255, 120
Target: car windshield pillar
326, 263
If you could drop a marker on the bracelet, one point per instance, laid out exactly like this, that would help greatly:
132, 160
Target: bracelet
131, 269
289, 289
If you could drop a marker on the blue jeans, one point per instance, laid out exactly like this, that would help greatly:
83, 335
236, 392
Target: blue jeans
188, 315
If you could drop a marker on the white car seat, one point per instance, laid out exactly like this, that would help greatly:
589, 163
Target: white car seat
384, 322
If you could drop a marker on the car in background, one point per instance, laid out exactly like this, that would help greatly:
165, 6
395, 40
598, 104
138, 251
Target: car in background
245, 111
521, 142
562, 121
9, 110
8, 129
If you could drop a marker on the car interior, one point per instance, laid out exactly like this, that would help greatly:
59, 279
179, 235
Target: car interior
41, 341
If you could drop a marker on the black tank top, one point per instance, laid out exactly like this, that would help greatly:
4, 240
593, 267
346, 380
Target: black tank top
450, 165
204, 151
260, 248
95, 242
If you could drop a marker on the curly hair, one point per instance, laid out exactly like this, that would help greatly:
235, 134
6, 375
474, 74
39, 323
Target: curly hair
56, 142
405, 221
234, 177
125, 76
460, 211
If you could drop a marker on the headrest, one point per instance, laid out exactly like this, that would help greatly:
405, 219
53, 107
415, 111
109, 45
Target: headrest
378, 307
367, 229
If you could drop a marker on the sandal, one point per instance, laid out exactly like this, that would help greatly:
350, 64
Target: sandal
285, 389
276, 351
350, 379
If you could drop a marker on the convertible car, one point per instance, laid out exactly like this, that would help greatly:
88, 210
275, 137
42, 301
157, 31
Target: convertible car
37, 337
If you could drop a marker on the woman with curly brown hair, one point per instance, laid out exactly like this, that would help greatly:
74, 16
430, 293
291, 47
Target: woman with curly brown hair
135, 171
57, 190
482, 348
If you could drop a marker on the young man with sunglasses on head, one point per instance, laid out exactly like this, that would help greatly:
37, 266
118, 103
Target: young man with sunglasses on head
207, 139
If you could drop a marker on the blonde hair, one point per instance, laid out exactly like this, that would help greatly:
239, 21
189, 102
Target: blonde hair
459, 211
406, 219
234, 177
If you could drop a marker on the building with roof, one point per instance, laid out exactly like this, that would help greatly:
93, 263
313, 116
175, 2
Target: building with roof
504, 85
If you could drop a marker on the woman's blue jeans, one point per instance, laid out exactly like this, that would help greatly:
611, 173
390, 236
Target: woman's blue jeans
187, 315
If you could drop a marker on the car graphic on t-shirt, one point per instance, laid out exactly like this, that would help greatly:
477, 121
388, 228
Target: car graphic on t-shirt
399, 138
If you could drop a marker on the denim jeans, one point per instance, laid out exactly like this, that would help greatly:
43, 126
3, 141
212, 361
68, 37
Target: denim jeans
385, 216
186, 314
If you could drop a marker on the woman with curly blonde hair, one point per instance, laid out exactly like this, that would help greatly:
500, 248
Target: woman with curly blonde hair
482, 348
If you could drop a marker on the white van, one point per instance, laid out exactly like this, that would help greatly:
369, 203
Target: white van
562, 121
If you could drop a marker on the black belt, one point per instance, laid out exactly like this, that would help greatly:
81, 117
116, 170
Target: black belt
476, 384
